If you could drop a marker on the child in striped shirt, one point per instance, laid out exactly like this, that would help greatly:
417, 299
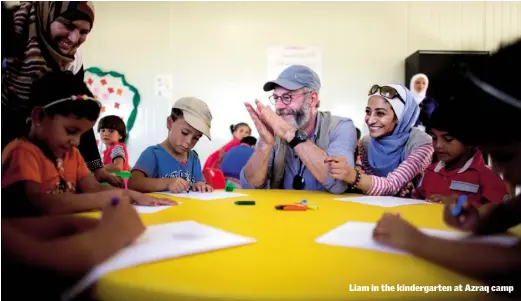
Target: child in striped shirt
113, 133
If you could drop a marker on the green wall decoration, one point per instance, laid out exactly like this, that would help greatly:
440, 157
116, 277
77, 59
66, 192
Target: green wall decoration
116, 95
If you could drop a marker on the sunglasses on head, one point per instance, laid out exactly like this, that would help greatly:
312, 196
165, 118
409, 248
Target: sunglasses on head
386, 91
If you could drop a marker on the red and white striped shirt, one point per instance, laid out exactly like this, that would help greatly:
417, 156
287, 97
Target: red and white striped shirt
413, 166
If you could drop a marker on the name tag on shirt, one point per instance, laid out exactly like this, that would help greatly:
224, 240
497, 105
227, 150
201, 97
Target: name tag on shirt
464, 186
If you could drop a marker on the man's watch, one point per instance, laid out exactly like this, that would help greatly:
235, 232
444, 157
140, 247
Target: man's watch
300, 136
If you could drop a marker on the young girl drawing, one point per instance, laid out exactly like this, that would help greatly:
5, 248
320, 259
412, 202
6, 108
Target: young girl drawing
46, 168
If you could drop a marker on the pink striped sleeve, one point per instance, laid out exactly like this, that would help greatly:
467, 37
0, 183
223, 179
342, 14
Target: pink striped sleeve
415, 164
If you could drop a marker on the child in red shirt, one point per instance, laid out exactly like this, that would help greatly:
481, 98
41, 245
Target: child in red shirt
239, 131
113, 133
461, 169
486, 112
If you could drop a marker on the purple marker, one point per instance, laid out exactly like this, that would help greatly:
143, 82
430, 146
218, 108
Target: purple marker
115, 200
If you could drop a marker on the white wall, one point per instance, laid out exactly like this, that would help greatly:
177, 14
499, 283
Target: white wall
217, 50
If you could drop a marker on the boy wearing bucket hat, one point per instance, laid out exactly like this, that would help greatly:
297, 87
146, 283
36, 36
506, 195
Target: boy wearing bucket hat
173, 165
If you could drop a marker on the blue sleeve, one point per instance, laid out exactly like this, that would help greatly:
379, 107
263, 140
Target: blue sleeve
147, 163
246, 185
198, 173
342, 143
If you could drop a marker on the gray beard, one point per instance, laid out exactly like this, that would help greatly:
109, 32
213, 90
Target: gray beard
300, 117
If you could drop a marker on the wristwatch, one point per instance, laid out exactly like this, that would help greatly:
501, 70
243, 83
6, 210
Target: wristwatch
300, 136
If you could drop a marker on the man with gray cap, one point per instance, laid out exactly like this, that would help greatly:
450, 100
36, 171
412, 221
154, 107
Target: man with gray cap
296, 138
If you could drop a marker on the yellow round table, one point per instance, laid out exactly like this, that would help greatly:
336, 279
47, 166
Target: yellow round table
285, 263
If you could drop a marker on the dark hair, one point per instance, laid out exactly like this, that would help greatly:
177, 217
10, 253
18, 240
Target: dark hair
358, 134
58, 85
8, 32
482, 118
114, 122
176, 114
440, 119
233, 128
443, 118
250, 140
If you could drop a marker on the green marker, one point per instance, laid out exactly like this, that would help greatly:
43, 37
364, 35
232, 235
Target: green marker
229, 186
245, 203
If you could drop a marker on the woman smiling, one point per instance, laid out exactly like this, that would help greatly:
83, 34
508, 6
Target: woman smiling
395, 154
47, 38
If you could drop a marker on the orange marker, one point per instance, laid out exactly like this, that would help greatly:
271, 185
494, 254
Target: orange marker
291, 207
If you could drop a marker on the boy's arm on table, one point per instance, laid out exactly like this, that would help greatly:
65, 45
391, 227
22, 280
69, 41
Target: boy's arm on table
497, 218
144, 177
75, 253
63, 203
48, 227
478, 260
482, 261
140, 182
90, 184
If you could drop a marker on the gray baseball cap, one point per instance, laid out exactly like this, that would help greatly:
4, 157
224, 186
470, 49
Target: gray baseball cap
295, 77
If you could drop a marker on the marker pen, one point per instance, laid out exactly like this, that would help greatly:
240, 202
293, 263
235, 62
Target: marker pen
291, 207
459, 205
245, 203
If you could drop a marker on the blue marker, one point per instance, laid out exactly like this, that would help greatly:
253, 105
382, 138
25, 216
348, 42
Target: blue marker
459, 205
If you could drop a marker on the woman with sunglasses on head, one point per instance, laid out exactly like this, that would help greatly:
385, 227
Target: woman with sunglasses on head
47, 38
395, 154
489, 90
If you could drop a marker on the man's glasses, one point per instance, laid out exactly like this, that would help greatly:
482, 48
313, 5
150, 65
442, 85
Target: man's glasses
285, 98
386, 91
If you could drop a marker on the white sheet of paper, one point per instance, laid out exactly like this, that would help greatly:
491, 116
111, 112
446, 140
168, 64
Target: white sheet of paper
161, 242
382, 201
153, 209
205, 196
360, 235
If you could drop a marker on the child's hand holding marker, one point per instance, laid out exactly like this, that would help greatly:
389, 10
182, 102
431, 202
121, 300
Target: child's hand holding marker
461, 214
202, 187
121, 221
179, 185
